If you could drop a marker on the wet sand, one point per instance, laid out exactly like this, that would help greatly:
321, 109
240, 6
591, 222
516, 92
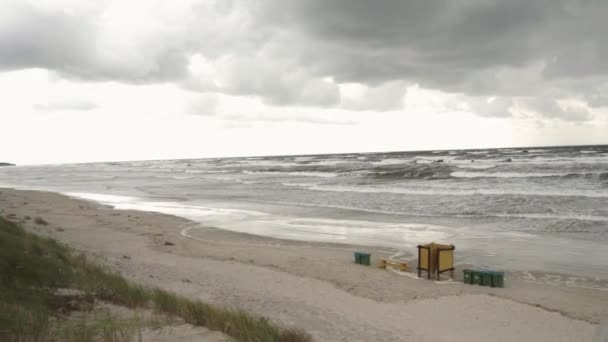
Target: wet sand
314, 286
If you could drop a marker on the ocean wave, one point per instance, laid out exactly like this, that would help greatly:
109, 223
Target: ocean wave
556, 216
471, 174
293, 173
209, 171
465, 174
103, 198
329, 162
298, 185
595, 159
270, 162
590, 218
476, 166
391, 161
432, 159
460, 192
411, 171
174, 177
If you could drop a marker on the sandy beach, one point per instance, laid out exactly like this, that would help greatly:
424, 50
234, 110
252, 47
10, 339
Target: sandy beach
313, 286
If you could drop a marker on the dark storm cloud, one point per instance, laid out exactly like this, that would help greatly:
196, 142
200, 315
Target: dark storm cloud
442, 43
31, 38
283, 51
69, 44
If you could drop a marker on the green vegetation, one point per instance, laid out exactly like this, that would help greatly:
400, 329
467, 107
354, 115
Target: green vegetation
33, 269
40, 221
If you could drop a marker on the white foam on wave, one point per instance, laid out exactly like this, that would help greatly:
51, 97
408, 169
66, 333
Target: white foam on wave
208, 171
298, 185
172, 208
383, 233
359, 232
174, 177
103, 198
270, 162
593, 159
477, 166
293, 173
560, 217
391, 161
459, 192
464, 174
429, 159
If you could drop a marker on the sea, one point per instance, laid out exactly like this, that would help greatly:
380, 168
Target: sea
539, 213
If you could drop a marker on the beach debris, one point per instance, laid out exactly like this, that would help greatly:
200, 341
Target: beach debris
435, 259
126, 257
168, 243
362, 258
438, 161
66, 300
384, 263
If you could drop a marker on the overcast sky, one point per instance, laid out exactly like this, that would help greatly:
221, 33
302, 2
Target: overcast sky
123, 80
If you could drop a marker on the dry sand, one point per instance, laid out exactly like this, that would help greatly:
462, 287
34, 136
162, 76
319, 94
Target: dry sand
309, 285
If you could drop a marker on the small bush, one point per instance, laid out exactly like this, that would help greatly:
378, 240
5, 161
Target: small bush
40, 221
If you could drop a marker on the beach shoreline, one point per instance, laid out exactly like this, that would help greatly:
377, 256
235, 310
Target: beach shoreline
315, 286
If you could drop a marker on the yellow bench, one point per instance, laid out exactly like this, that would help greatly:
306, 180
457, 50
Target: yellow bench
384, 263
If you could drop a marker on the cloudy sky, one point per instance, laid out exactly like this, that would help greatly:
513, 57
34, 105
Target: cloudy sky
123, 80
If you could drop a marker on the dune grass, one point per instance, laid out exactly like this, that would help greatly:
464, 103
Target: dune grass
33, 268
